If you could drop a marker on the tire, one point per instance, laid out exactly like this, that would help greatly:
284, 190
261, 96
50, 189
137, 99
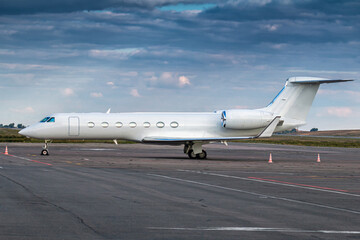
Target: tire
191, 154
201, 155
44, 152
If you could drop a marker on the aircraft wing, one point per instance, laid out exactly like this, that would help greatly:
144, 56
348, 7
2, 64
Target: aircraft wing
267, 132
181, 140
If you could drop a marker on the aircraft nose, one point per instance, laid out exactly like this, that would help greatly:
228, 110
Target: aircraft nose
25, 132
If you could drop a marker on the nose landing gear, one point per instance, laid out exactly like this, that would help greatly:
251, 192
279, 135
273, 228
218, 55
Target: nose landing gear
45, 151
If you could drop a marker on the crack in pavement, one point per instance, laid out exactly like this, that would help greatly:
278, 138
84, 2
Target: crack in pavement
80, 220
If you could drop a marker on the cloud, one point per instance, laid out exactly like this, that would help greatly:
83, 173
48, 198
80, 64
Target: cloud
128, 74
134, 92
279, 46
278, 9
23, 110
121, 54
183, 81
111, 84
167, 80
354, 94
188, 8
287, 21
100, 45
238, 88
150, 76
329, 92
339, 111
68, 92
308, 71
6, 52
28, 66
349, 94
96, 94
60, 6
241, 107
167, 77
271, 27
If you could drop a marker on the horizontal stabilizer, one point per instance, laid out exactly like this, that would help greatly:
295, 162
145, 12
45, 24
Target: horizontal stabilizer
313, 80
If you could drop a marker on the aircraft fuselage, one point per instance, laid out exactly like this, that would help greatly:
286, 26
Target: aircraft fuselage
136, 126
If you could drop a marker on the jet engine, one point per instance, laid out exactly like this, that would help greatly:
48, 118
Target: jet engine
241, 119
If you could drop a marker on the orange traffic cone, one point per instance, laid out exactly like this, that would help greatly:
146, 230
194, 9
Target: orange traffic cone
318, 159
6, 151
270, 159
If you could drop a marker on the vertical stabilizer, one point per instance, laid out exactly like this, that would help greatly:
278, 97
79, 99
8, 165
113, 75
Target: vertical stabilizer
295, 99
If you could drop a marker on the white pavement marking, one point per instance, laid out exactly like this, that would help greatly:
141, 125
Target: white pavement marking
276, 183
23, 158
1, 167
257, 229
257, 194
95, 149
280, 173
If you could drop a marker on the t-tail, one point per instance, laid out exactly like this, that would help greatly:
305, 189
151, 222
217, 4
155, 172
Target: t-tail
293, 102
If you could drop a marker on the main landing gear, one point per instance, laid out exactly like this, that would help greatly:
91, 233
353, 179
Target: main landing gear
194, 151
45, 151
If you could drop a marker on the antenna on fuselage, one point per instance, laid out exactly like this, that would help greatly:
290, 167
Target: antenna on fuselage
108, 111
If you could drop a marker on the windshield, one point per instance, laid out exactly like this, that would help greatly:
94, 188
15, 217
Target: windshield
48, 119
45, 119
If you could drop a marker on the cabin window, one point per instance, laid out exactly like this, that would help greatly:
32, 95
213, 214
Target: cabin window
45, 119
91, 124
104, 124
132, 124
174, 124
118, 124
146, 124
51, 120
160, 124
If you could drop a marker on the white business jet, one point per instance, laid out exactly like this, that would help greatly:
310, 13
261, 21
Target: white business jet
286, 111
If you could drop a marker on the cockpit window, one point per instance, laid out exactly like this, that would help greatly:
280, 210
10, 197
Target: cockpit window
48, 119
51, 119
45, 119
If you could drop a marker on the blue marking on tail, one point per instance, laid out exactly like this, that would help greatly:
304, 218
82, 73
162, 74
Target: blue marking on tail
276, 96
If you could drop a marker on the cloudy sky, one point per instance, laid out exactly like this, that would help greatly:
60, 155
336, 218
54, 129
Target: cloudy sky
169, 55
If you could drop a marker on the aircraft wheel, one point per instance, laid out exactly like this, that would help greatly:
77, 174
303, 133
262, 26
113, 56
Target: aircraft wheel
44, 152
201, 155
191, 154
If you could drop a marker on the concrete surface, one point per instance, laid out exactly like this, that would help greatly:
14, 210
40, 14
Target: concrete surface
134, 191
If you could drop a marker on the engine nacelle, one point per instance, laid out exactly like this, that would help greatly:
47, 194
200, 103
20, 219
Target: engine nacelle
242, 119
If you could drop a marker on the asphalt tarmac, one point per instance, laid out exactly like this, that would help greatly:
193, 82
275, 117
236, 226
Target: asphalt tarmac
134, 191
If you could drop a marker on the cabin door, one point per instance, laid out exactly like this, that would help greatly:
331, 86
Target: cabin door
74, 126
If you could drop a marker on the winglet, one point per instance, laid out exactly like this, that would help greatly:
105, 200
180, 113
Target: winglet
268, 131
